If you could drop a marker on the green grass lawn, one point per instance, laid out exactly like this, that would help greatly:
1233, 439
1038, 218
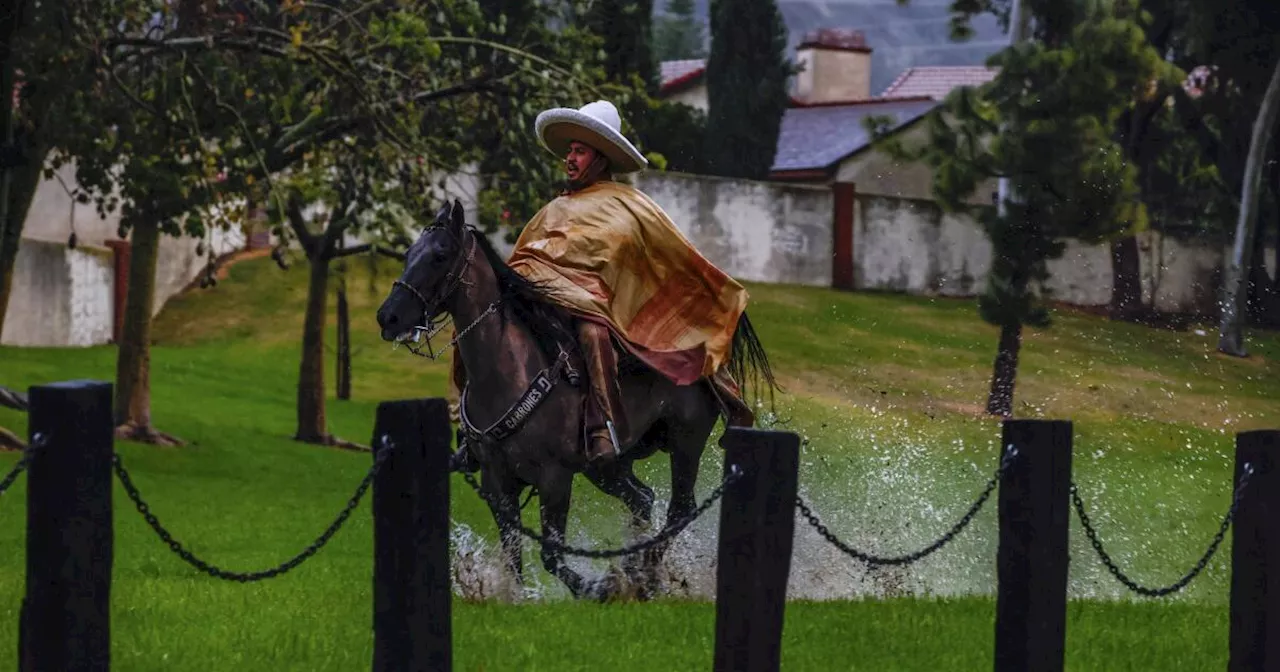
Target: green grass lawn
885, 389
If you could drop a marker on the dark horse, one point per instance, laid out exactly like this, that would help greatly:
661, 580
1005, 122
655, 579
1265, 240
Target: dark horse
522, 363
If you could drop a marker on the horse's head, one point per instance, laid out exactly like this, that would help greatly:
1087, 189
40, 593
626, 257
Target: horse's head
433, 269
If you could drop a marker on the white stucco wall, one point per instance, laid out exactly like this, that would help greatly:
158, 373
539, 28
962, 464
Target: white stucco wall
751, 230
694, 96
91, 302
911, 246
61, 297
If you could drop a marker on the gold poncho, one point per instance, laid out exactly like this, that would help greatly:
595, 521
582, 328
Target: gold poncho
610, 254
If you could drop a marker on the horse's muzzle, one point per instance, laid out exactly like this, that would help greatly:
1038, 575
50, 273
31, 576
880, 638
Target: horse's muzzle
390, 321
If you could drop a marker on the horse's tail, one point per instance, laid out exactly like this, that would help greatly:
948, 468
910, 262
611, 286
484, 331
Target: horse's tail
748, 362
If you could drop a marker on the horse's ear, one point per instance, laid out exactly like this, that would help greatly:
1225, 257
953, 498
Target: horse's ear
442, 215
459, 215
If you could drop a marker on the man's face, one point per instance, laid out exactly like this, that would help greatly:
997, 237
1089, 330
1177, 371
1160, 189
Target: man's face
579, 157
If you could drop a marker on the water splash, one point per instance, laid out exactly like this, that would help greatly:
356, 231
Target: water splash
888, 487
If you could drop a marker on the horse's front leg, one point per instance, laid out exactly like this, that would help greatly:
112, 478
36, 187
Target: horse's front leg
553, 498
503, 497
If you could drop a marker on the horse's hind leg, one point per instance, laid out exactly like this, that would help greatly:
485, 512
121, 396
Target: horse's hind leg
688, 440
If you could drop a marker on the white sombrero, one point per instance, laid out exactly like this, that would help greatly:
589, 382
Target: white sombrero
595, 124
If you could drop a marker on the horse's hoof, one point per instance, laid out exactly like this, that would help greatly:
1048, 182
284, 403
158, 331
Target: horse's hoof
604, 589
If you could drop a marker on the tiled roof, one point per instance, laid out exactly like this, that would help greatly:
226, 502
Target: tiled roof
819, 136
937, 81
677, 73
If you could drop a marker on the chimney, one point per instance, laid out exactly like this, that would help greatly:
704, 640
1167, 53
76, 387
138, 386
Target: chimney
836, 66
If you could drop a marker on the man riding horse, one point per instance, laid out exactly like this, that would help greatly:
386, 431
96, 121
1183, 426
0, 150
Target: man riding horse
613, 259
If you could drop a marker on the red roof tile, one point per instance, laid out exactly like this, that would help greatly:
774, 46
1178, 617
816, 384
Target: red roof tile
937, 81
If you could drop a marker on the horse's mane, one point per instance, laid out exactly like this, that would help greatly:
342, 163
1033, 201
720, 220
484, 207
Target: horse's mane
532, 302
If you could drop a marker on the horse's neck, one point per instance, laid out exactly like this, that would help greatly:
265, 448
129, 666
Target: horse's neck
499, 352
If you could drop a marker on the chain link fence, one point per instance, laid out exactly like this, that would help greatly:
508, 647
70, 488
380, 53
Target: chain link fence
668, 533
910, 558
246, 577
1187, 578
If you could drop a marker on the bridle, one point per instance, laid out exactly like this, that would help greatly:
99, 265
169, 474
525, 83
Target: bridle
430, 328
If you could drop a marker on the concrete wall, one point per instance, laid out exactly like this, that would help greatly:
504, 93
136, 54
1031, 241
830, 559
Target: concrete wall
770, 232
752, 230
911, 246
61, 297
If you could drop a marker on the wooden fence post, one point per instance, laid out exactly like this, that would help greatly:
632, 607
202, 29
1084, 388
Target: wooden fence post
412, 590
757, 526
1031, 562
65, 614
1255, 557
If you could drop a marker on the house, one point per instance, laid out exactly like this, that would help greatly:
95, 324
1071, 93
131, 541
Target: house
823, 140
73, 296
684, 82
831, 99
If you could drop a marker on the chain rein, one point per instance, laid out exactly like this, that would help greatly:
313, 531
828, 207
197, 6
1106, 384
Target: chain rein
875, 561
246, 577
1247, 471
554, 545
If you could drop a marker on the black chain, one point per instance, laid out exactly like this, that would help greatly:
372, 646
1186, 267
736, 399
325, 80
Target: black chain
1189, 576
38, 441
665, 535
910, 558
12, 476
215, 572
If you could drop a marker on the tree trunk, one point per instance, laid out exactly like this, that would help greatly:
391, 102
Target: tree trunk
311, 421
343, 373
1126, 283
22, 189
1005, 371
133, 358
1234, 293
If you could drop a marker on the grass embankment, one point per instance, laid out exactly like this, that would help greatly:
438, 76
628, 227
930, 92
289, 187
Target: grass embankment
886, 389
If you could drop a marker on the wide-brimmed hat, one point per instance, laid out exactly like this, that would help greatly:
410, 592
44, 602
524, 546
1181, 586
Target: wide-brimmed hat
594, 124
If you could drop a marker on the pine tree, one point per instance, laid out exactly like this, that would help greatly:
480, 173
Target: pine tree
747, 79
1048, 100
678, 34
